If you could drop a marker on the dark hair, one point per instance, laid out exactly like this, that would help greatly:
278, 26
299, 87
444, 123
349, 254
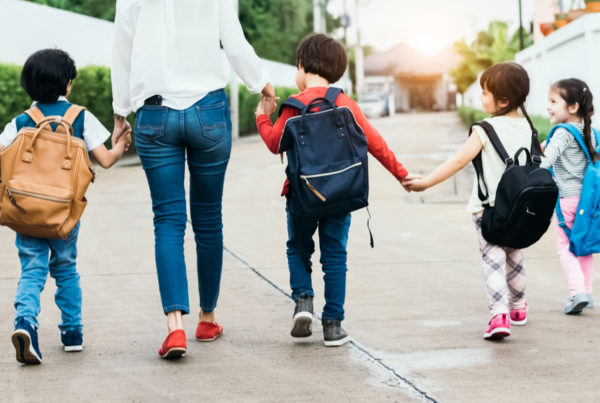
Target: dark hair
575, 91
509, 82
46, 74
319, 54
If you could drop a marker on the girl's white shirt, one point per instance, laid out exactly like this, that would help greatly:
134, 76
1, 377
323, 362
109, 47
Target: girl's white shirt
514, 133
172, 48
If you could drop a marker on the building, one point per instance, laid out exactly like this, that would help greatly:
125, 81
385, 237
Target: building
415, 81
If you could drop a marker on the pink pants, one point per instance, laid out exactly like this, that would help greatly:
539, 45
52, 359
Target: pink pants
579, 270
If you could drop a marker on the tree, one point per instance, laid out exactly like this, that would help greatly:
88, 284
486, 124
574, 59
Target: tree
490, 47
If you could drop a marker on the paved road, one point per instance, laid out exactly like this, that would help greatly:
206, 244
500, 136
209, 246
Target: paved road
416, 306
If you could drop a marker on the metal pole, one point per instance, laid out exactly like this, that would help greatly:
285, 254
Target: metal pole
521, 41
318, 24
234, 98
358, 54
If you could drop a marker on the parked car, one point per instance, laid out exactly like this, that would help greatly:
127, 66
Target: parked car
374, 105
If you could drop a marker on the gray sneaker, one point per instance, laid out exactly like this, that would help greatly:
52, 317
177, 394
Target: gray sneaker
334, 334
303, 316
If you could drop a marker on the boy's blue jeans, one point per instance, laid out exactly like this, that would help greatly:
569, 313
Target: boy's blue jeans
38, 257
163, 137
333, 239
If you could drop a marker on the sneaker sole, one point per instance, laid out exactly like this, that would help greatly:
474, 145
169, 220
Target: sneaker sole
25, 354
302, 325
73, 349
336, 343
518, 323
576, 309
174, 353
497, 334
211, 339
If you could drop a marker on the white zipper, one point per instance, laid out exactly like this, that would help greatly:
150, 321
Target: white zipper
36, 195
330, 173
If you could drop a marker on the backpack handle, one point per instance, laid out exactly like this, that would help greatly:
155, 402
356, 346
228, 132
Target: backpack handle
339, 121
28, 155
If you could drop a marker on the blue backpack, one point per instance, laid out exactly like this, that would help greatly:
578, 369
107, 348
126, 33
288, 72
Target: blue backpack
327, 158
584, 237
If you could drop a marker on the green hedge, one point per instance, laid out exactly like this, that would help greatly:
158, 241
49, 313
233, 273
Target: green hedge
92, 89
468, 116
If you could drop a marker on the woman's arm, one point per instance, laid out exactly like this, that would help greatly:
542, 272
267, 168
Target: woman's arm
121, 61
464, 155
240, 53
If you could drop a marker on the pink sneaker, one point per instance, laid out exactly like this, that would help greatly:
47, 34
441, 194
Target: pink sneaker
499, 327
518, 317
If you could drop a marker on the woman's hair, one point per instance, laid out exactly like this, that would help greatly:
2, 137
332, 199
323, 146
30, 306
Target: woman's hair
319, 54
509, 82
47, 73
575, 91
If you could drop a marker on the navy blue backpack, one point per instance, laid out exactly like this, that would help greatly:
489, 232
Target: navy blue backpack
327, 158
584, 237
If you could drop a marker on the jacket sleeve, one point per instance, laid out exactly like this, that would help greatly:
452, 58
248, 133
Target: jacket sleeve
271, 133
377, 145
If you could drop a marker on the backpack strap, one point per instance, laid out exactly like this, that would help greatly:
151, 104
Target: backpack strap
70, 116
35, 114
332, 94
292, 103
573, 130
482, 189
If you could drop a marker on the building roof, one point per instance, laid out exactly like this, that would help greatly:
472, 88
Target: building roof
403, 60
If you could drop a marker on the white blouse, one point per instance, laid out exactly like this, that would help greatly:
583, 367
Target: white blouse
172, 48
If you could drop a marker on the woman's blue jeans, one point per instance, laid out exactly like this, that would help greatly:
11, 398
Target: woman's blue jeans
163, 137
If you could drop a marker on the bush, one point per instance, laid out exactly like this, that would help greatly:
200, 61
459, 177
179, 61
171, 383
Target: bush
468, 116
92, 89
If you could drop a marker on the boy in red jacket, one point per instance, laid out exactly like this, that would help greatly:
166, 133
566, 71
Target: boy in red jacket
321, 61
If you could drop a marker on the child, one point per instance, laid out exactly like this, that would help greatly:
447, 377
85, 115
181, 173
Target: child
505, 88
321, 61
46, 77
570, 101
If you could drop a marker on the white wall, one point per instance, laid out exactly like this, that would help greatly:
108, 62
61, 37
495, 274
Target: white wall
27, 27
572, 51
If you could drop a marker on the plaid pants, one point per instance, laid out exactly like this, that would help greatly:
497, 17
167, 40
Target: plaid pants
504, 274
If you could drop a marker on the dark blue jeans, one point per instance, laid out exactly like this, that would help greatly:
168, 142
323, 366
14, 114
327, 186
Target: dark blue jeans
333, 239
38, 257
163, 137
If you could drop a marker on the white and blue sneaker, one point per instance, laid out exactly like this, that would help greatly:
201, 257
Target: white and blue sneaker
25, 341
72, 339
576, 303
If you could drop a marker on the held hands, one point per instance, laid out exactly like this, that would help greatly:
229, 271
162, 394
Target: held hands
121, 127
268, 101
124, 140
414, 183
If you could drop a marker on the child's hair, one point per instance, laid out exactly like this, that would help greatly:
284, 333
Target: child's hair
322, 55
47, 73
509, 82
575, 91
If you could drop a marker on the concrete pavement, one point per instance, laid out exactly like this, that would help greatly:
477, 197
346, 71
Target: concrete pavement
416, 306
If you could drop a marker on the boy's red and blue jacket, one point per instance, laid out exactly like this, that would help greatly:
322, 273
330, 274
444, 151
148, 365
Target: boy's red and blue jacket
271, 133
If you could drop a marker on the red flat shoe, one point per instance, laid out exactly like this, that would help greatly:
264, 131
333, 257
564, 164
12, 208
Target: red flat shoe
174, 345
208, 331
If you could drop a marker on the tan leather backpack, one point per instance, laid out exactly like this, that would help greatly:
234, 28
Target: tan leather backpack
44, 177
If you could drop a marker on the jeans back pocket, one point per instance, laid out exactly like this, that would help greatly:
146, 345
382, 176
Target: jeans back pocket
213, 119
150, 122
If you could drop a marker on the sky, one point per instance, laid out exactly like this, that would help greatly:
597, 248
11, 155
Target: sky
429, 25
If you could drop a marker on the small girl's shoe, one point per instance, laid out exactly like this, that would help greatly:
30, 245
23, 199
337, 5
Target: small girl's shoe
174, 345
576, 303
518, 317
499, 327
591, 302
208, 331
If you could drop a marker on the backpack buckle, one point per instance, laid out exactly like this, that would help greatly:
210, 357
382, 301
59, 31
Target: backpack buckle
536, 159
509, 161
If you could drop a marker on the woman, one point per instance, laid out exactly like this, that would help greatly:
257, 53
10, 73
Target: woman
168, 67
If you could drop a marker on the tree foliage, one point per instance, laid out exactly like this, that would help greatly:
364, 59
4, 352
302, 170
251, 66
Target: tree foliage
490, 47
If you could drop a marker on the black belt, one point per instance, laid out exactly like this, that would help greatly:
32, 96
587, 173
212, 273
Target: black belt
154, 100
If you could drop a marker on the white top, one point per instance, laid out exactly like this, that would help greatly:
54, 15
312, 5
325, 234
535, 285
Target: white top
172, 48
94, 133
514, 133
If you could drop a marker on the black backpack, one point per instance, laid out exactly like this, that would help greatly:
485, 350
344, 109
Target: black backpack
525, 197
327, 158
